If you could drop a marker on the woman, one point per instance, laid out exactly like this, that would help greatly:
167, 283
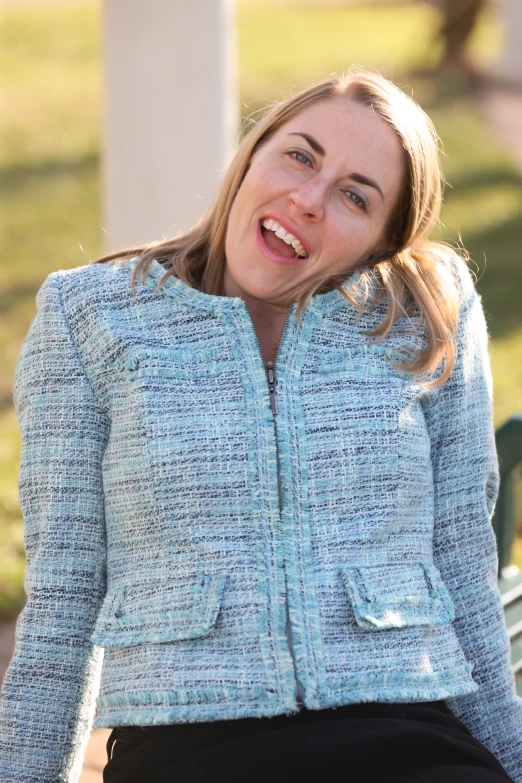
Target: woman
262, 482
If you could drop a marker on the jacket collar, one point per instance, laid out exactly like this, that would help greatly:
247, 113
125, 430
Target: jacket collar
195, 299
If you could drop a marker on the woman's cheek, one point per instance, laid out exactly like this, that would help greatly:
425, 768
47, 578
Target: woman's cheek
344, 236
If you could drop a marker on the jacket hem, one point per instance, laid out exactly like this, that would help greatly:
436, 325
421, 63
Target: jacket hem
164, 707
395, 687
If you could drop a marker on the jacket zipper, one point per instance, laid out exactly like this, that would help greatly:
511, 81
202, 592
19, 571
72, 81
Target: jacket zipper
270, 376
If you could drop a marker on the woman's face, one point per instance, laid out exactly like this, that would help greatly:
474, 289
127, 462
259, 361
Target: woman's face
329, 178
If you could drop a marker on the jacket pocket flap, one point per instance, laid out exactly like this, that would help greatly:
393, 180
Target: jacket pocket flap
172, 363
393, 596
160, 611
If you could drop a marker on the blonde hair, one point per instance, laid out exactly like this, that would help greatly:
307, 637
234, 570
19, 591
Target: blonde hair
412, 272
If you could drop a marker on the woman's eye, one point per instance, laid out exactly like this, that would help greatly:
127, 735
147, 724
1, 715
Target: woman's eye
357, 199
299, 156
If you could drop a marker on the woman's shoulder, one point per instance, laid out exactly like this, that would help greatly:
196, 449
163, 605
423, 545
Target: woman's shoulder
87, 300
93, 275
94, 287
456, 272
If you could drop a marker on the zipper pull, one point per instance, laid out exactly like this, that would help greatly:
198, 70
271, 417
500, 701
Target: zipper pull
271, 386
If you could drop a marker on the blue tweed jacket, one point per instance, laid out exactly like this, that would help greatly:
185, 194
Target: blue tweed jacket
226, 561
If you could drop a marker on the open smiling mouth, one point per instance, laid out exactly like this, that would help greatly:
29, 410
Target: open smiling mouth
281, 241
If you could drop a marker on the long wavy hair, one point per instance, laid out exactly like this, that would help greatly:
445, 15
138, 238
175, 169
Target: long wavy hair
412, 273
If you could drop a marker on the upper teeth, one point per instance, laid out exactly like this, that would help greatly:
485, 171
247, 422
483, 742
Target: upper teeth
282, 233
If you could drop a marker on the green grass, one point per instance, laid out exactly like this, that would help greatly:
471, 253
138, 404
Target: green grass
282, 46
49, 161
309, 42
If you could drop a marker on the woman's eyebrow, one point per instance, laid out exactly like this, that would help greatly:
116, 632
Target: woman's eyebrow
312, 142
361, 178
366, 181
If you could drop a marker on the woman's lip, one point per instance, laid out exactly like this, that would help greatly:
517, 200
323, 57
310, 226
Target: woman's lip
289, 228
263, 247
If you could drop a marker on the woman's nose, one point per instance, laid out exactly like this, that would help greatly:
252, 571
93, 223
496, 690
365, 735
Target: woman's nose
309, 199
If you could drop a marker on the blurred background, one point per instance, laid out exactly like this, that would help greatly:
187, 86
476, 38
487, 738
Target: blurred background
90, 139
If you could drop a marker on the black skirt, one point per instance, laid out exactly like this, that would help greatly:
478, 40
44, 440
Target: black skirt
360, 743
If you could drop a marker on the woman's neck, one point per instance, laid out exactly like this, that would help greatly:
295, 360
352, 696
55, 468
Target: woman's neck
269, 324
268, 318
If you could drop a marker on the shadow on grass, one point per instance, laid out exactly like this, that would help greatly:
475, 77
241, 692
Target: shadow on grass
484, 178
500, 274
20, 173
10, 299
6, 402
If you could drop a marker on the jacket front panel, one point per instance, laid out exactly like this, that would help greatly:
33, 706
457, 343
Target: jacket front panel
358, 516
208, 495
249, 517
233, 561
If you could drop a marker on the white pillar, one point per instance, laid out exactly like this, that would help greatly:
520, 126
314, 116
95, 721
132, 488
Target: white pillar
509, 64
171, 114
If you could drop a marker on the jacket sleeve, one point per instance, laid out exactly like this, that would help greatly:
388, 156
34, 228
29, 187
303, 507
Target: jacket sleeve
47, 699
466, 478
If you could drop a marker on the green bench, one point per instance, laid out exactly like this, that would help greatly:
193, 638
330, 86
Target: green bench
509, 449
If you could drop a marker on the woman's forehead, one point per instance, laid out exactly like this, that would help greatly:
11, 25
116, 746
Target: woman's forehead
339, 120
346, 133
